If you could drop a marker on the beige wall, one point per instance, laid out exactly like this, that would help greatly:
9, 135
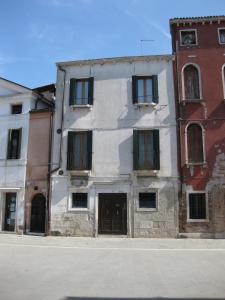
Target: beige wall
37, 159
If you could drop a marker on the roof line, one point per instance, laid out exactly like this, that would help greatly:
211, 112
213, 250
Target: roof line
114, 59
23, 86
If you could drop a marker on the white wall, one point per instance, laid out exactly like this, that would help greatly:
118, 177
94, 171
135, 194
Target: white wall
112, 120
13, 171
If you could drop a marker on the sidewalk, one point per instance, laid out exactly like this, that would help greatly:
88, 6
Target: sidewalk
112, 243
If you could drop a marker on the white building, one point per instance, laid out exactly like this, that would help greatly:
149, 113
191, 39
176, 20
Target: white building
16, 101
114, 148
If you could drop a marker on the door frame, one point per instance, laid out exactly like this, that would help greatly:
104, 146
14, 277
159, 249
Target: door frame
115, 189
3, 192
45, 225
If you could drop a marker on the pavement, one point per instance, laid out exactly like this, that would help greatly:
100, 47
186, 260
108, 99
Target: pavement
66, 268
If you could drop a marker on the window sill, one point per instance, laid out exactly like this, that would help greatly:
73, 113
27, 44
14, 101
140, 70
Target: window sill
78, 210
204, 164
198, 220
184, 101
146, 173
146, 209
153, 105
84, 173
85, 106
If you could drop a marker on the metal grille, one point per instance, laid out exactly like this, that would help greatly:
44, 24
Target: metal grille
197, 206
147, 200
79, 200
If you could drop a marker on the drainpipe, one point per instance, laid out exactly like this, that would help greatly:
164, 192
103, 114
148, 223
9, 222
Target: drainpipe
62, 120
48, 204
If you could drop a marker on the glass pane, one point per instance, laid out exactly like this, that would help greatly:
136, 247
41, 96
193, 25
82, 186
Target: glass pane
188, 38
222, 35
78, 92
84, 151
147, 200
85, 96
82, 92
140, 90
148, 91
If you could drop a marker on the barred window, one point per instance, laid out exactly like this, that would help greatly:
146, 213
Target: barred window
197, 206
79, 200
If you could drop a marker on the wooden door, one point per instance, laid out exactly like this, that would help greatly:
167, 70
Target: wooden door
10, 211
38, 208
112, 214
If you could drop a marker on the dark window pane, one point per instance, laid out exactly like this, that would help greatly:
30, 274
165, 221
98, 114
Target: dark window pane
195, 144
79, 200
16, 109
81, 95
144, 87
78, 154
14, 144
147, 200
146, 150
222, 36
188, 37
191, 83
197, 206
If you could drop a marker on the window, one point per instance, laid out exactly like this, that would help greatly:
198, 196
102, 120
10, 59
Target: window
79, 200
81, 91
146, 150
145, 89
147, 200
197, 206
223, 80
188, 37
195, 144
14, 143
221, 35
16, 109
191, 83
79, 152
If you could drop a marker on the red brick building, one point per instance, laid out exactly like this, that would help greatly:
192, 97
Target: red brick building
199, 72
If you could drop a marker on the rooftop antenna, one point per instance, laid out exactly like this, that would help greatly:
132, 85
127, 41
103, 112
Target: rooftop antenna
143, 41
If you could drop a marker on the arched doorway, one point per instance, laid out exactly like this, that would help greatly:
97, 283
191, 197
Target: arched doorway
38, 211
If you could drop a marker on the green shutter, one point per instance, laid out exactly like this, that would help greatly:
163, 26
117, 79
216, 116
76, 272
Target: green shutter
70, 150
72, 91
134, 89
18, 150
135, 149
156, 149
9, 144
90, 90
155, 89
89, 150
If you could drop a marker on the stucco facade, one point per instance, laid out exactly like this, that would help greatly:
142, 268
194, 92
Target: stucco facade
206, 54
112, 118
16, 103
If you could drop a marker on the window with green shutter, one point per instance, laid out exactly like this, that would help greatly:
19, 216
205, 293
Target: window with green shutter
145, 89
146, 155
14, 143
81, 91
79, 150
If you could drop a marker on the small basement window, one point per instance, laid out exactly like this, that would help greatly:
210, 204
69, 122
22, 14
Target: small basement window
79, 200
16, 109
188, 37
222, 35
147, 200
197, 206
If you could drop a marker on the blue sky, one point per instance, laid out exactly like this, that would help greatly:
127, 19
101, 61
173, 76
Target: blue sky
37, 33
